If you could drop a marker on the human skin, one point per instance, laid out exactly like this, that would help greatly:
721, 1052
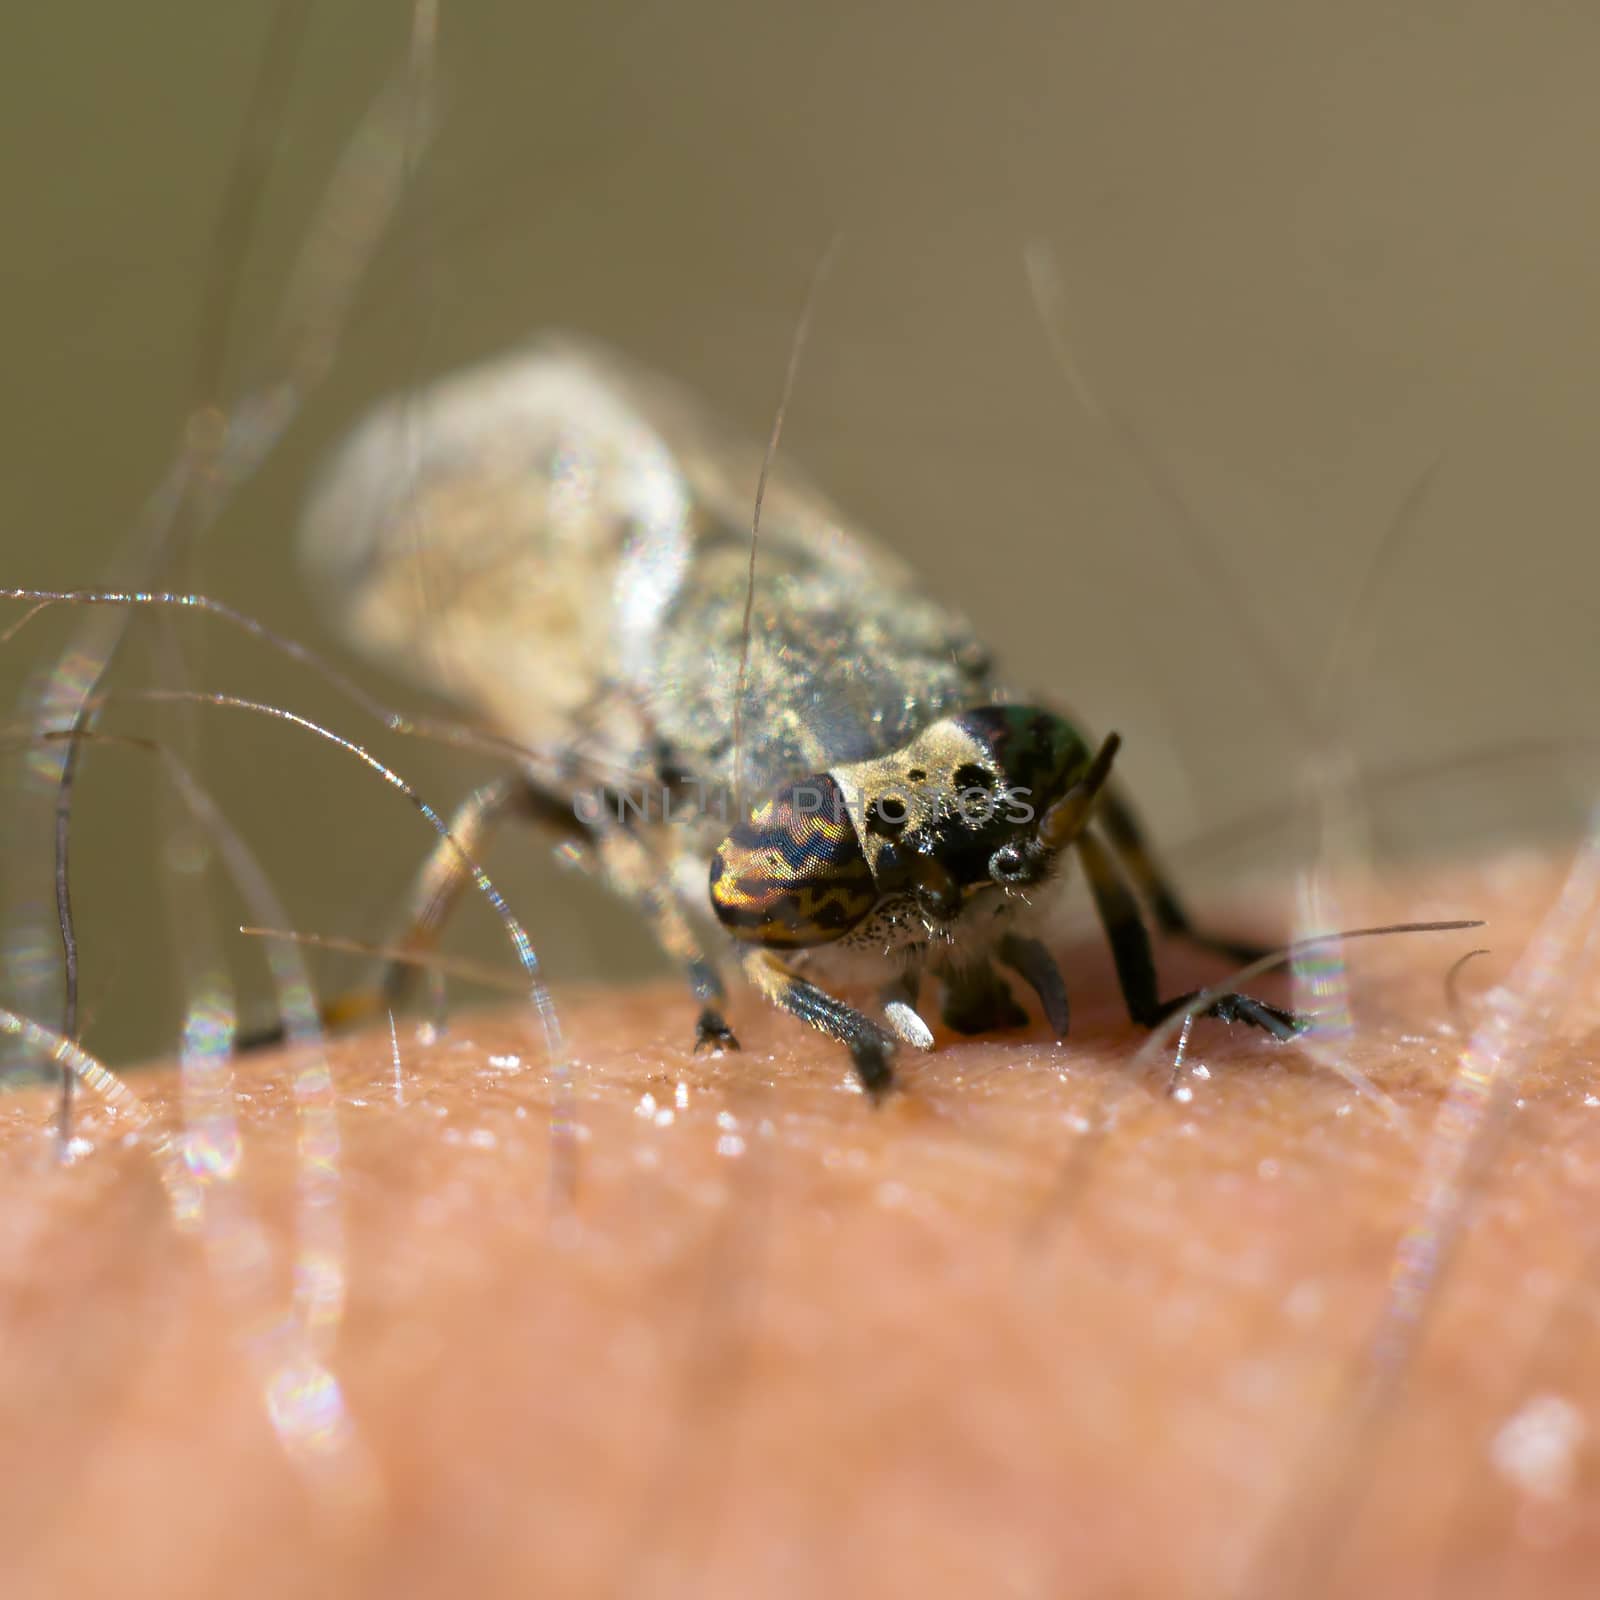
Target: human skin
1032, 1327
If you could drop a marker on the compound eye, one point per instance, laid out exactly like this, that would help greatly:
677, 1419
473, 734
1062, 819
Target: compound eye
794, 874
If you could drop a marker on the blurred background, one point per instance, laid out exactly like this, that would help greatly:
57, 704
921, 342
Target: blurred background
1309, 253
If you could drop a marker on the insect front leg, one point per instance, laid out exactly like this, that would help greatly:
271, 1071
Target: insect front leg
1136, 968
1037, 968
434, 894
436, 891
871, 1049
615, 856
1127, 838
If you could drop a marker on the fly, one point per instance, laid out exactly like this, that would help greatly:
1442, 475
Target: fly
560, 543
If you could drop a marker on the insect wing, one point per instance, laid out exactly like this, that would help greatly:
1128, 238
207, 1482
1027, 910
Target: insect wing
560, 542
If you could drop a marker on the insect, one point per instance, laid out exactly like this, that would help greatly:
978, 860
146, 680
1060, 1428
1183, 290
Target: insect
561, 543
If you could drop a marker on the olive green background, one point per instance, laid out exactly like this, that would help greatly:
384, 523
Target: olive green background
1308, 251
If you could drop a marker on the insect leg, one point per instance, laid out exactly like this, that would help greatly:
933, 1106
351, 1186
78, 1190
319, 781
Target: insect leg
976, 1000
870, 1047
628, 867
1127, 838
438, 887
613, 855
1136, 967
1037, 968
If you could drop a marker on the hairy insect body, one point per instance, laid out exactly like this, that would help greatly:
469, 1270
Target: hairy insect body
562, 544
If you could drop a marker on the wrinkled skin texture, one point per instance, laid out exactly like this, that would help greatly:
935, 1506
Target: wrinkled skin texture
788, 1345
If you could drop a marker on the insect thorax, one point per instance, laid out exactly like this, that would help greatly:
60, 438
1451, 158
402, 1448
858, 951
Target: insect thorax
834, 674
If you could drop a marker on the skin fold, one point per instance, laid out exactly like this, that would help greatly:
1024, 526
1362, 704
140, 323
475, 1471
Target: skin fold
1032, 1327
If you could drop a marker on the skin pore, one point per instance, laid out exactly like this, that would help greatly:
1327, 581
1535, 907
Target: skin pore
1032, 1327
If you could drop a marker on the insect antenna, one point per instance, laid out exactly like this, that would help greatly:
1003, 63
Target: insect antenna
797, 344
1065, 819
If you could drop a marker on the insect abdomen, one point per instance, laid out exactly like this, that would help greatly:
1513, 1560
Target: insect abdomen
794, 874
